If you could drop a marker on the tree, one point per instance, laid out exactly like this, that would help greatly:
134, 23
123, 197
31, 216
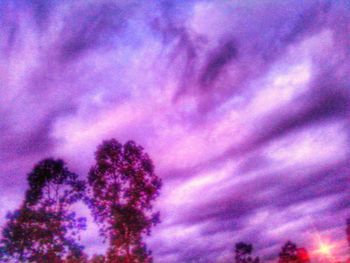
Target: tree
290, 253
98, 259
243, 253
80, 258
44, 229
122, 188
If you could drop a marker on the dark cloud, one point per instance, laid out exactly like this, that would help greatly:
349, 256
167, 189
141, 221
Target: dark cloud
241, 44
91, 26
302, 25
10, 27
328, 104
42, 10
223, 55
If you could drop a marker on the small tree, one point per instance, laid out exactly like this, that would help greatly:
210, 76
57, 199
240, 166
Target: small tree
80, 258
243, 253
122, 188
45, 229
98, 259
290, 253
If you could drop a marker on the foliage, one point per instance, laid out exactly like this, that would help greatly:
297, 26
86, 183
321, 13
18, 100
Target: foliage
122, 188
98, 259
243, 253
291, 254
44, 229
77, 258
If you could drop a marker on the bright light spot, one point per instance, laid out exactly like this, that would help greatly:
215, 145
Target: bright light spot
325, 249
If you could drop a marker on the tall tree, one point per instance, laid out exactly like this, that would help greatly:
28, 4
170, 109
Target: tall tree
290, 253
243, 253
122, 188
45, 229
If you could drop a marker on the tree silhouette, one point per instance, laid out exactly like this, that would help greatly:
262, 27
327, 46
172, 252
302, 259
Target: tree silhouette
122, 188
77, 258
98, 259
290, 253
243, 253
45, 229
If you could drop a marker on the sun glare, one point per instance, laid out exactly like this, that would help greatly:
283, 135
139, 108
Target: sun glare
325, 249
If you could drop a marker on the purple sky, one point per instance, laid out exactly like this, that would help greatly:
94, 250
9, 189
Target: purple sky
242, 105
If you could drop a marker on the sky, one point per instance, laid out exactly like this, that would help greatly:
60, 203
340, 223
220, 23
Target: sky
243, 107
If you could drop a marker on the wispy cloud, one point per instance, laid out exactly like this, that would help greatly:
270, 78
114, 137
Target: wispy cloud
243, 107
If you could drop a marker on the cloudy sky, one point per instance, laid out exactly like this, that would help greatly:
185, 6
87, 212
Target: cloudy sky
242, 105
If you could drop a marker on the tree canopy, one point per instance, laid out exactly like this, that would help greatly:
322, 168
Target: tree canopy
290, 253
120, 192
122, 188
44, 228
243, 253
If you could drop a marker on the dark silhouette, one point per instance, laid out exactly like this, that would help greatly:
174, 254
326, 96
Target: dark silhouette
122, 187
121, 191
243, 253
81, 258
45, 229
98, 259
290, 253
